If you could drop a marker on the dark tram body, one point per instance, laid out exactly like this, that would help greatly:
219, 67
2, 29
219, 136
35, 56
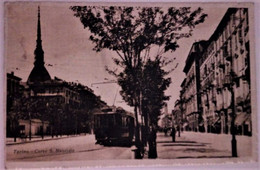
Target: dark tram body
114, 126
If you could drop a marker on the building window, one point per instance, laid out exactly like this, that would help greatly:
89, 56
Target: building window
236, 47
234, 20
205, 70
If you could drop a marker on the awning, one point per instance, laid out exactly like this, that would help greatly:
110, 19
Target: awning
210, 121
201, 123
248, 120
241, 118
217, 121
185, 124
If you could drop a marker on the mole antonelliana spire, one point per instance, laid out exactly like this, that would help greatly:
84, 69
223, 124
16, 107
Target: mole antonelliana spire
39, 72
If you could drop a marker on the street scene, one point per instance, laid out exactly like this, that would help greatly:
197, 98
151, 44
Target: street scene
88, 82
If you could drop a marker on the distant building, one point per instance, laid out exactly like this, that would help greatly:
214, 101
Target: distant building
36, 126
177, 115
191, 86
13, 84
14, 90
51, 106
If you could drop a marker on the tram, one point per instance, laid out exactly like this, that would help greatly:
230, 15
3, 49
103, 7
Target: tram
114, 126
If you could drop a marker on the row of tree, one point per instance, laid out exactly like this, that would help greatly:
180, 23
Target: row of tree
133, 33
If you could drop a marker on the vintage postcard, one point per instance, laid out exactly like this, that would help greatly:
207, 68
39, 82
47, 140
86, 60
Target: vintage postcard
129, 84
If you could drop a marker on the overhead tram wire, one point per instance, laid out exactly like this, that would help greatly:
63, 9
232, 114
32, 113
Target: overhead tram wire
109, 82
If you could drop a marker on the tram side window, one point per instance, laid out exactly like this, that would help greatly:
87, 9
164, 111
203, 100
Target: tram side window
104, 120
111, 120
131, 122
118, 120
124, 121
97, 121
127, 121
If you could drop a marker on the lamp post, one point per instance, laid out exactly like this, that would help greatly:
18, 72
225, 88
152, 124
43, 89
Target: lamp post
179, 127
233, 141
229, 82
233, 114
30, 127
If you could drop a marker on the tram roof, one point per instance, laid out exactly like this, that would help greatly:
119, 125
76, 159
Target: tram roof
122, 112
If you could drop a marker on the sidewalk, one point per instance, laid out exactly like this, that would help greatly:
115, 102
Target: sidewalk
10, 141
201, 145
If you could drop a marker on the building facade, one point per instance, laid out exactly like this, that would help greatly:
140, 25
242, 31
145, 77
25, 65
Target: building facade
191, 86
35, 126
225, 69
224, 77
14, 90
177, 115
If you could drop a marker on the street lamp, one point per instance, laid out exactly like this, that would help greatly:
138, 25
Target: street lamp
178, 124
30, 128
229, 82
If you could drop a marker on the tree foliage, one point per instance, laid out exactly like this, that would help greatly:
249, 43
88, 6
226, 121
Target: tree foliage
133, 33
154, 85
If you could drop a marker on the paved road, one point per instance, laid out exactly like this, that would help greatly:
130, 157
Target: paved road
189, 145
74, 148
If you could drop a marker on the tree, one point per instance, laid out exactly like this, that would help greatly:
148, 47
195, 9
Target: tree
154, 86
153, 99
15, 111
133, 32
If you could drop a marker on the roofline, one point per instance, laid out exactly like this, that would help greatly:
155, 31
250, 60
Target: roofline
194, 49
13, 76
224, 20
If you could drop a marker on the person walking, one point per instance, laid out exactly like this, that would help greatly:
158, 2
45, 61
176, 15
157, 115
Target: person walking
173, 134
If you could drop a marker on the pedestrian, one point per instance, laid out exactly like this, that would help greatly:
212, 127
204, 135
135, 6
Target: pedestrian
173, 134
165, 131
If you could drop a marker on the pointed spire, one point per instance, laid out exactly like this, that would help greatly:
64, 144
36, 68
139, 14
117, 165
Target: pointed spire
39, 27
39, 73
39, 53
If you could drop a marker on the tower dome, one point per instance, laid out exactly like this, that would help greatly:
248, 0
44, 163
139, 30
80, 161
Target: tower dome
39, 73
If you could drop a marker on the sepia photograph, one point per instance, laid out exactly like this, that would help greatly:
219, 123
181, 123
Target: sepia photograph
129, 84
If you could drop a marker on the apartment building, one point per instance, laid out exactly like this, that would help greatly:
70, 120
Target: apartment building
223, 78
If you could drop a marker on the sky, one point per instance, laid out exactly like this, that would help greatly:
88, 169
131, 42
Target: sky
68, 51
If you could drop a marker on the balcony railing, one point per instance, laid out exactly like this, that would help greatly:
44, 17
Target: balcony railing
227, 80
221, 64
229, 58
214, 99
239, 101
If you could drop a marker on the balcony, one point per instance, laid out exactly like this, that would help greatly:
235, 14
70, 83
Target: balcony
246, 29
221, 65
219, 87
229, 58
242, 51
239, 101
207, 104
214, 99
227, 80
234, 32
241, 39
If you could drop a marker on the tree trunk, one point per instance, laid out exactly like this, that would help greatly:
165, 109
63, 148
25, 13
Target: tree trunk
152, 153
179, 130
146, 128
42, 129
173, 134
137, 136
